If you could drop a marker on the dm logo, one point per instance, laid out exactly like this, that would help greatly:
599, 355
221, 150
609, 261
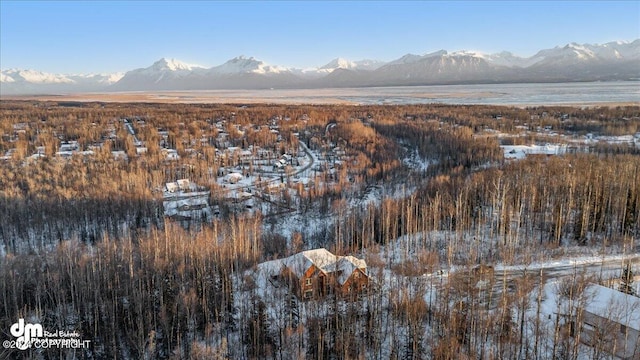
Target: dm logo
24, 333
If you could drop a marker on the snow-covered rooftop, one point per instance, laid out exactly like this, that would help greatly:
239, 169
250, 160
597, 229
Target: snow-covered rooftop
300, 262
323, 259
345, 267
613, 305
521, 151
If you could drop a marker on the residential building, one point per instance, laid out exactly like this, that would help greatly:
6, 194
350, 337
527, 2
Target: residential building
316, 273
611, 320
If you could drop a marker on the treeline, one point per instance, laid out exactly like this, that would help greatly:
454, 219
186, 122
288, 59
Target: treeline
523, 207
449, 145
48, 201
172, 294
153, 296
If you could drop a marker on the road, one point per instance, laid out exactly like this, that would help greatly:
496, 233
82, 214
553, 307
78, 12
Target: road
491, 286
604, 269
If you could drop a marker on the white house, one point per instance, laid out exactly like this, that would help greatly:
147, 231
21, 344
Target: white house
234, 177
171, 154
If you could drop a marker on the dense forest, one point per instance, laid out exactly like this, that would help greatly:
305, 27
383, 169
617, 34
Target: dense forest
85, 245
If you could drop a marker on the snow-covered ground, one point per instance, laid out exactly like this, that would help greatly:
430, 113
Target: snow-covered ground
549, 305
190, 206
571, 264
416, 162
560, 144
521, 151
391, 283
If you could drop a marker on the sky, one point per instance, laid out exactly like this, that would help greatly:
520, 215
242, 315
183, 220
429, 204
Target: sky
116, 36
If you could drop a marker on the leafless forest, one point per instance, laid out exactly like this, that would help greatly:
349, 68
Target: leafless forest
414, 190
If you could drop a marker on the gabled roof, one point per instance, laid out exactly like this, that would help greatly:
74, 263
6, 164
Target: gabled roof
613, 305
184, 184
301, 262
171, 187
325, 261
347, 265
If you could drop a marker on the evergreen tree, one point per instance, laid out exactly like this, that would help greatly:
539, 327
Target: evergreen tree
259, 342
627, 281
291, 304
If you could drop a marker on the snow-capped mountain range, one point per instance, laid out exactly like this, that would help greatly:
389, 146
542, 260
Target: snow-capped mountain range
16, 81
618, 60
242, 64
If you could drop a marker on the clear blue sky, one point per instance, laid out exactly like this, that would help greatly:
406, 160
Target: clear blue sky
110, 36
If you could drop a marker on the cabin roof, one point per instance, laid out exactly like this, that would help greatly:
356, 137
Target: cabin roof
613, 305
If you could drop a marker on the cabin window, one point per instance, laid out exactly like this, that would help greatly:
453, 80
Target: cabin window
623, 329
356, 275
308, 294
308, 282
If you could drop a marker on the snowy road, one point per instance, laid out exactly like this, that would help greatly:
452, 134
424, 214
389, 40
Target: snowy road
595, 266
489, 287
598, 269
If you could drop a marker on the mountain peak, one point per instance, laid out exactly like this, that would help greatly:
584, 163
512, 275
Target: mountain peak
467, 53
342, 63
34, 77
173, 65
612, 60
243, 58
339, 63
406, 59
435, 53
242, 65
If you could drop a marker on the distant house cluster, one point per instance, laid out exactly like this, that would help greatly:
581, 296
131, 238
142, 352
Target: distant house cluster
316, 273
180, 186
184, 200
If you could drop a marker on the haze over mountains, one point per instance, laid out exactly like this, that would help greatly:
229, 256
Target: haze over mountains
573, 62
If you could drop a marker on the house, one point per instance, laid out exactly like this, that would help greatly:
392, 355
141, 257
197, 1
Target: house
170, 154
350, 274
234, 177
611, 320
315, 273
522, 151
304, 272
279, 164
183, 188
246, 156
119, 155
69, 146
171, 187
186, 185
185, 200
